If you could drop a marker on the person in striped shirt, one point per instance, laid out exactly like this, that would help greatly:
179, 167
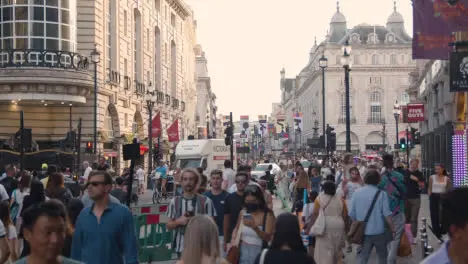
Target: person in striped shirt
182, 208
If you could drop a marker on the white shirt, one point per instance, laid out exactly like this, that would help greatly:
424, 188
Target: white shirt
3, 194
86, 173
229, 175
140, 174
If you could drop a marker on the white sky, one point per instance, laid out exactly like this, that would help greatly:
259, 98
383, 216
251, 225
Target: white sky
247, 42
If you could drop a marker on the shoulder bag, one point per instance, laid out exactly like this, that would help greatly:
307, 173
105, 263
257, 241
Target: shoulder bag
263, 256
318, 228
357, 229
233, 254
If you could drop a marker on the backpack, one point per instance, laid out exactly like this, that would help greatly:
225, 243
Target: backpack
199, 199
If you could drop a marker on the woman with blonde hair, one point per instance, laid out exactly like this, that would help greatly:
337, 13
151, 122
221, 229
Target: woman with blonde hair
201, 243
302, 183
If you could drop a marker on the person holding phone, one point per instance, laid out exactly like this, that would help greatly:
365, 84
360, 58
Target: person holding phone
256, 222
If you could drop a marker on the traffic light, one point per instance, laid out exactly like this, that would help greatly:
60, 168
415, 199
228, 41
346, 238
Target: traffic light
331, 137
415, 136
403, 144
89, 147
228, 133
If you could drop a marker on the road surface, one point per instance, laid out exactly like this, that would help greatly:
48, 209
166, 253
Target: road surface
350, 258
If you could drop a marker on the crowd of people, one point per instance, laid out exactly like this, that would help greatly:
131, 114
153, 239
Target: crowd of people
228, 217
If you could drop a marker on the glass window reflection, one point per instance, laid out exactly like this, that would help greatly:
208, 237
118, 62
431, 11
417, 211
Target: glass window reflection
21, 13
38, 13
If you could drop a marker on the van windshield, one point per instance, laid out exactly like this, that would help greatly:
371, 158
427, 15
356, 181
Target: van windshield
189, 163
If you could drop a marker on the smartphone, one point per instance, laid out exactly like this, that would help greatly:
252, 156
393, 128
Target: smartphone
248, 216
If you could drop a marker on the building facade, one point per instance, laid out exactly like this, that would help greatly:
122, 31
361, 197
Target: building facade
46, 70
206, 115
381, 61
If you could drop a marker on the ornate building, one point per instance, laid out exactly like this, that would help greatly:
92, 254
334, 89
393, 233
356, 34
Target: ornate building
206, 115
382, 60
46, 69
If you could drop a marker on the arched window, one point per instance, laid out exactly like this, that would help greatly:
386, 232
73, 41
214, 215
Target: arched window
108, 126
375, 108
137, 46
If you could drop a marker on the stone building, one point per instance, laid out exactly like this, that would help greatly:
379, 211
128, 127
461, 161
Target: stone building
381, 57
206, 114
46, 70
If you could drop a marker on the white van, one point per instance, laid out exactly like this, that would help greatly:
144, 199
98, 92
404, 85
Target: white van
208, 154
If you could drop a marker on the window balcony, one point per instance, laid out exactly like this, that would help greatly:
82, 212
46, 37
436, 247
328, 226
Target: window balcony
113, 77
175, 103
159, 97
342, 120
182, 106
45, 75
168, 99
139, 88
376, 120
127, 82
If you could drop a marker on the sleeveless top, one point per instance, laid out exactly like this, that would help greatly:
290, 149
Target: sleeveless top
439, 187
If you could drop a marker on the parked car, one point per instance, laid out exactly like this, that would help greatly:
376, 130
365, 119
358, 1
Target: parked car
260, 169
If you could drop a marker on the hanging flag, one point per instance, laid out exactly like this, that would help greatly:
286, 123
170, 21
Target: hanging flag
156, 126
433, 24
173, 132
298, 121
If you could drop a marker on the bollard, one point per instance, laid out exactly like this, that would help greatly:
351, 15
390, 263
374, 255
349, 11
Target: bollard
429, 251
424, 244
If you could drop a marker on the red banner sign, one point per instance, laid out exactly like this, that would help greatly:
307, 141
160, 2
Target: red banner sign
415, 113
173, 132
156, 126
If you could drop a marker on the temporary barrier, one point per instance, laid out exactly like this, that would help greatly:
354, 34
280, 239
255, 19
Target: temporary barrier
153, 238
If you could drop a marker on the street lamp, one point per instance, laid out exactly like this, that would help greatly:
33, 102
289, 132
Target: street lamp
323, 64
150, 101
346, 62
95, 58
396, 114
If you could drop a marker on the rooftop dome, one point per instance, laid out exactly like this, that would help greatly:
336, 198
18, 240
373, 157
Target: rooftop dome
395, 17
338, 17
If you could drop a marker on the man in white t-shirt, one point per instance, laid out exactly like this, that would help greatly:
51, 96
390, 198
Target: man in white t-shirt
87, 170
3, 194
4, 248
229, 175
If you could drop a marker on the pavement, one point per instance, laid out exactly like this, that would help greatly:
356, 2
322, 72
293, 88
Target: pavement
351, 258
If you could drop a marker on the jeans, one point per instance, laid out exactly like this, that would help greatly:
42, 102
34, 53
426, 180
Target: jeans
412, 212
221, 245
435, 201
399, 226
380, 244
248, 253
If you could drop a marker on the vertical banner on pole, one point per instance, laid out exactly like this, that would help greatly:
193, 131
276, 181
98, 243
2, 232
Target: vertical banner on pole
459, 158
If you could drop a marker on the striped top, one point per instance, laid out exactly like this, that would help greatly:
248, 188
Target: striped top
187, 205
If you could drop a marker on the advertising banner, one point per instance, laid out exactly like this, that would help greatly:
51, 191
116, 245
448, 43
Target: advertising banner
434, 21
415, 113
459, 71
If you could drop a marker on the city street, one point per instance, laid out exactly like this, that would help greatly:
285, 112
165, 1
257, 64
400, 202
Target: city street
350, 258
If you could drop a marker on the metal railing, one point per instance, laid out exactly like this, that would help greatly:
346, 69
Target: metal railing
17, 58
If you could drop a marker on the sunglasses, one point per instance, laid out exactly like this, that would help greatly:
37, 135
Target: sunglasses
239, 181
95, 183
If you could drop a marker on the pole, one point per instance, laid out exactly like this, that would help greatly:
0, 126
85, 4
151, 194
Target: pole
95, 112
407, 146
21, 140
232, 140
78, 147
150, 137
323, 109
208, 129
130, 182
348, 113
396, 127
70, 119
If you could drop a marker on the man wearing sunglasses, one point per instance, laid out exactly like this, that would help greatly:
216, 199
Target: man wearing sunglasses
104, 232
233, 206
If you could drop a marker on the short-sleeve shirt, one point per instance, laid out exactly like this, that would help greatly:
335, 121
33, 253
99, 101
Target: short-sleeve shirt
218, 203
232, 207
163, 171
185, 205
396, 199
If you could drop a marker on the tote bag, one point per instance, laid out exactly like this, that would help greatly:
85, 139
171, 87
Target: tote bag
318, 229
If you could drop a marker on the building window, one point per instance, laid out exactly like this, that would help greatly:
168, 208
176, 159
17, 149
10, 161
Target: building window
173, 20
393, 59
157, 56
137, 46
111, 34
375, 59
375, 108
404, 99
356, 59
173, 69
343, 105
157, 5
108, 126
338, 59
125, 23
148, 39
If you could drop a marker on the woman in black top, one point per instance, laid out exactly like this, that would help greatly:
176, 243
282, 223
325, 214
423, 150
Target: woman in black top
287, 245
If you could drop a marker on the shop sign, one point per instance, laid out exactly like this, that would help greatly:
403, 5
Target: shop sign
415, 113
459, 71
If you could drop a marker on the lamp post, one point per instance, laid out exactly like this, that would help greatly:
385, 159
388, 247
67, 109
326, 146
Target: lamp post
95, 58
345, 61
396, 114
150, 101
323, 63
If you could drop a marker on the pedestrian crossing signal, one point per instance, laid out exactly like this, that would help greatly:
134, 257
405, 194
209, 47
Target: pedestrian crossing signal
402, 143
89, 147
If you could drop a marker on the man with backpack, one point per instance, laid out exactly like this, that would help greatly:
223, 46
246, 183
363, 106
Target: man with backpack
393, 183
182, 208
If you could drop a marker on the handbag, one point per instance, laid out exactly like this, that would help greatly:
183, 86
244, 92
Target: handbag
404, 250
357, 229
233, 254
318, 228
